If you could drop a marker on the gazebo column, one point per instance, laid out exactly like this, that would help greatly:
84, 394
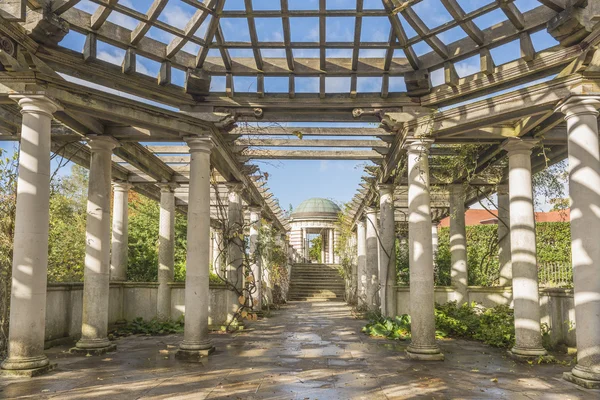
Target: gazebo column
166, 251
528, 338
584, 189
118, 260
217, 248
458, 243
330, 237
361, 261
372, 262
94, 328
255, 258
435, 242
323, 241
423, 345
504, 236
235, 251
196, 343
387, 251
304, 244
30, 255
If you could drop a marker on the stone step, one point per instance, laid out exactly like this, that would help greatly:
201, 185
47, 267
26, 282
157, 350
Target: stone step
316, 293
325, 285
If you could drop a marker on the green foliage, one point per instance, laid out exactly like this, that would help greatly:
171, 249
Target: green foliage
553, 242
152, 327
315, 250
402, 263
553, 246
8, 190
144, 218
493, 326
274, 261
397, 328
68, 213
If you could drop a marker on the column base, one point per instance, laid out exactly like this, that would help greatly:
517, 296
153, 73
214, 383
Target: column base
25, 363
424, 353
27, 373
523, 354
583, 382
95, 347
193, 355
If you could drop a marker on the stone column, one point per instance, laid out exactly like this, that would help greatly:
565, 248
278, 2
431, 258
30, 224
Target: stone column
435, 242
94, 328
584, 189
118, 260
372, 261
361, 261
235, 251
323, 241
30, 256
331, 244
304, 249
528, 338
166, 251
423, 345
196, 343
217, 249
255, 258
387, 251
504, 236
458, 244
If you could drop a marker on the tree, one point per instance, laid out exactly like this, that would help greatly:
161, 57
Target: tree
315, 248
8, 197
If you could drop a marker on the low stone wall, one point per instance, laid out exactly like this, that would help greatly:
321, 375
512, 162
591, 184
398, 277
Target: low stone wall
556, 305
127, 300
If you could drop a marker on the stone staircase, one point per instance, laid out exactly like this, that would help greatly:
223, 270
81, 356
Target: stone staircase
316, 282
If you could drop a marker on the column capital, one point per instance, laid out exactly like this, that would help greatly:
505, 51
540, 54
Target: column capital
201, 144
502, 189
36, 104
101, 142
418, 145
234, 187
167, 187
371, 210
456, 189
580, 105
121, 186
255, 209
386, 188
361, 223
519, 146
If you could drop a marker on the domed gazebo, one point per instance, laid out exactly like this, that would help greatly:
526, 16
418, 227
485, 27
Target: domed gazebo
314, 217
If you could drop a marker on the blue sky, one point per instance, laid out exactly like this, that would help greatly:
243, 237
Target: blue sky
294, 181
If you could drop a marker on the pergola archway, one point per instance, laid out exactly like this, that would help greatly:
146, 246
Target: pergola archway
152, 121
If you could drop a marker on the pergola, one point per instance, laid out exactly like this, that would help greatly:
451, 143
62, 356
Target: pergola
206, 91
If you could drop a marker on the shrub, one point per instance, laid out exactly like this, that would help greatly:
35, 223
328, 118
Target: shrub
493, 326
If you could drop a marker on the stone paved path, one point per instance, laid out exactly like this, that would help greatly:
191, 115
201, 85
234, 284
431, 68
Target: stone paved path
304, 351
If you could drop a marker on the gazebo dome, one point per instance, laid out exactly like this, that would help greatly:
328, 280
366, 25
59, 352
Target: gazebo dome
317, 208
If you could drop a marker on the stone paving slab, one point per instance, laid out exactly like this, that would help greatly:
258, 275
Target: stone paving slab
306, 350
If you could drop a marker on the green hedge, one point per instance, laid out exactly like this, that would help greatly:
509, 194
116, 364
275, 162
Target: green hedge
553, 246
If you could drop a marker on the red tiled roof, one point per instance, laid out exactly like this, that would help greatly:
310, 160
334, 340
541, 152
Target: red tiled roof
483, 217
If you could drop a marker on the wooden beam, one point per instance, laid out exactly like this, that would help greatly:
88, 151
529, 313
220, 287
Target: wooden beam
308, 155
309, 143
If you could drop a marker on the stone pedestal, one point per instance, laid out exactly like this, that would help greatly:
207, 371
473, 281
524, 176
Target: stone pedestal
528, 338
584, 189
372, 262
387, 251
30, 256
118, 260
166, 251
196, 343
504, 236
458, 243
94, 339
423, 345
